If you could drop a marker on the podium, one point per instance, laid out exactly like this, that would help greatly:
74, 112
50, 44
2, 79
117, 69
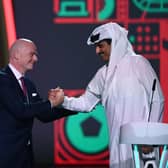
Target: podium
145, 133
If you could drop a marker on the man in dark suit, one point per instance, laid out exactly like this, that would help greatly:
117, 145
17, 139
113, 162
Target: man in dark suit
20, 103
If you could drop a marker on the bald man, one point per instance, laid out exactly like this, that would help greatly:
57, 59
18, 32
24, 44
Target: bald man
20, 103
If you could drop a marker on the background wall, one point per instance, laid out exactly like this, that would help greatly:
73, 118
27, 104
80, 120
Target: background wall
60, 29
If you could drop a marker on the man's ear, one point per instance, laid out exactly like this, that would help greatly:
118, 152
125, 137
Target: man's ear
16, 55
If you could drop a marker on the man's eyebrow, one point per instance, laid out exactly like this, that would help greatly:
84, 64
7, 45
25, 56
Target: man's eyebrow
36, 52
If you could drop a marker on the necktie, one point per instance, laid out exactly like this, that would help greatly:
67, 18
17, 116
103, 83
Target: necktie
23, 86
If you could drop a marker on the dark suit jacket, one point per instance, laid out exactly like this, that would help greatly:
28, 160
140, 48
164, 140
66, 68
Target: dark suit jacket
16, 120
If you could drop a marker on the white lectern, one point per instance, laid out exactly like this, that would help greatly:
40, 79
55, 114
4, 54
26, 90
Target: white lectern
145, 133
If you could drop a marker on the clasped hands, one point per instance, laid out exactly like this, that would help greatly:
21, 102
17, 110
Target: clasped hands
56, 96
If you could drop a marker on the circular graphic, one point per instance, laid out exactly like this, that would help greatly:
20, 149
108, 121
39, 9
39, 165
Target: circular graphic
88, 132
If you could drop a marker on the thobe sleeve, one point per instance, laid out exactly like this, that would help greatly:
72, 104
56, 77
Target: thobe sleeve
84, 103
90, 98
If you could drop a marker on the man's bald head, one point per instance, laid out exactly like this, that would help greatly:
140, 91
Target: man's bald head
18, 45
23, 55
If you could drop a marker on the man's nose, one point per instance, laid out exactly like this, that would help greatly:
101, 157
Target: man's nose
97, 50
35, 57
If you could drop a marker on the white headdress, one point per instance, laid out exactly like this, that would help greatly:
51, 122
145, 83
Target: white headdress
120, 47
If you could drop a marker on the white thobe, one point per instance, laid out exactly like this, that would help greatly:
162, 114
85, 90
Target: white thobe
128, 101
124, 88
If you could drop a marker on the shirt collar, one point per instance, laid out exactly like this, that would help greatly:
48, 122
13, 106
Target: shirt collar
17, 74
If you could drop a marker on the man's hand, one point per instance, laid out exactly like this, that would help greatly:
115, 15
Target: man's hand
56, 97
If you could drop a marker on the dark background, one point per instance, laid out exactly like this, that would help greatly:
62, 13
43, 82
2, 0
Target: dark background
65, 60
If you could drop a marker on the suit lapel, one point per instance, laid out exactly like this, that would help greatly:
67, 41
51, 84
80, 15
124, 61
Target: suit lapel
14, 81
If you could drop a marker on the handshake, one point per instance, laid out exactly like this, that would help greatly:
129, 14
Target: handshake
56, 96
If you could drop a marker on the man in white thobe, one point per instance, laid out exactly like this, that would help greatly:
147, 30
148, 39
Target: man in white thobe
123, 86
